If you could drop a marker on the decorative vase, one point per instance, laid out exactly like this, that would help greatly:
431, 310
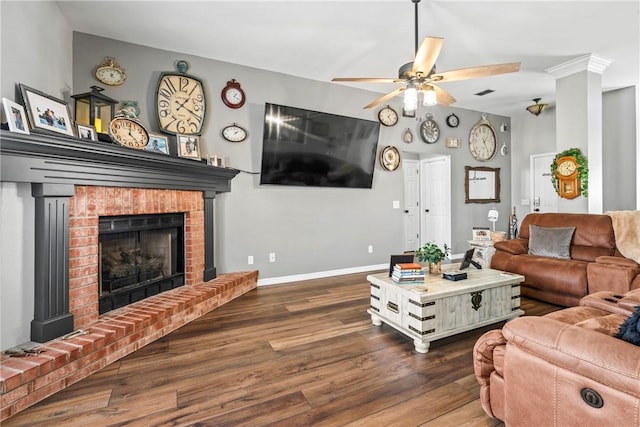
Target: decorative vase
435, 267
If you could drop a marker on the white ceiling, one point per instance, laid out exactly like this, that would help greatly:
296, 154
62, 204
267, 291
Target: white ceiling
320, 40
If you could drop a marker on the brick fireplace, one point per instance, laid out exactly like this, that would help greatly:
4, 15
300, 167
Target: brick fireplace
74, 183
89, 203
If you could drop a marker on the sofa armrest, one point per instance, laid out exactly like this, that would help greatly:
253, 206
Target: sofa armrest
610, 273
513, 246
617, 261
600, 357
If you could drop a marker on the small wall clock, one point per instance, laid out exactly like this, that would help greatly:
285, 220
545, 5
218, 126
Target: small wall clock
234, 133
232, 94
181, 103
407, 136
453, 120
390, 158
388, 116
110, 72
429, 130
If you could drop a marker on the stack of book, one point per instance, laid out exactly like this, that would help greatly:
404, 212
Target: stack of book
410, 272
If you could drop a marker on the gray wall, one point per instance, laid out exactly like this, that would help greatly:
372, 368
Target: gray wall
310, 230
36, 51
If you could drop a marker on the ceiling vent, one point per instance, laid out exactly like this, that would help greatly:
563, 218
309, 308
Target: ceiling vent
485, 92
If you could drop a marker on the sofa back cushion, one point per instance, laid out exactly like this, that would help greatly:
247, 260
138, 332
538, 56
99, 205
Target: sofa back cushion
593, 236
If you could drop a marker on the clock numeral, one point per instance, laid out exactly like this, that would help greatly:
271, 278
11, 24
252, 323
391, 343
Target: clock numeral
165, 93
184, 84
170, 86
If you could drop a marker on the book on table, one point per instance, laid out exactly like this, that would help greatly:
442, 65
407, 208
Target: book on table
408, 273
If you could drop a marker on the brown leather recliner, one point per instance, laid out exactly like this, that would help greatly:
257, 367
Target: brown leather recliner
564, 368
595, 264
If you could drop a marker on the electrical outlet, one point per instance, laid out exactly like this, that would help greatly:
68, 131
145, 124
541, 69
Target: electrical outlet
250, 260
370, 249
272, 257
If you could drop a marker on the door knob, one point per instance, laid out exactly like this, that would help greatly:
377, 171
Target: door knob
406, 211
426, 210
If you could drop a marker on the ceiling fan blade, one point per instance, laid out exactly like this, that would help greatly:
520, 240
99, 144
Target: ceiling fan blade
427, 55
367, 79
384, 98
475, 72
444, 97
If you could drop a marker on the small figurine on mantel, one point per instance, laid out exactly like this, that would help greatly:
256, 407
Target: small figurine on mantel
513, 225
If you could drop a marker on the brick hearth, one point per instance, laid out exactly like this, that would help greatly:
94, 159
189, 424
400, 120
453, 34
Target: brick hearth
25, 381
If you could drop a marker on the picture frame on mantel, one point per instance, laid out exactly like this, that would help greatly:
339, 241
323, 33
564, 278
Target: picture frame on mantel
188, 146
45, 112
16, 117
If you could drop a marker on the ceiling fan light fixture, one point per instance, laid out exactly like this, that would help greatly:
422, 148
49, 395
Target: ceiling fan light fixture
411, 97
537, 108
429, 97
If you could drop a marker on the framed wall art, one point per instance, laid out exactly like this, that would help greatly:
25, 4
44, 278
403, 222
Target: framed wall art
158, 144
16, 117
45, 112
87, 132
188, 146
481, 184
453, 142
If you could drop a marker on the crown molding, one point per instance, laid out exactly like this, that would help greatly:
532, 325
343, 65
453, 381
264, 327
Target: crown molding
588, 62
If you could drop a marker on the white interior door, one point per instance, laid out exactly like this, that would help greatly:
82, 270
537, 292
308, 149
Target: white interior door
435, 200
543, 195
411, 205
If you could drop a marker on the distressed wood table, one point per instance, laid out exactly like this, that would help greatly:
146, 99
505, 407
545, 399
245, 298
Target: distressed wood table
439, 308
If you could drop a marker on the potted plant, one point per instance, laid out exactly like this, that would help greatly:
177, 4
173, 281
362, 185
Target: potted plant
432, 254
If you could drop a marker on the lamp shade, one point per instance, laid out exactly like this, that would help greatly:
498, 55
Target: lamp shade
429, 96
492, 216
410, 98
537, 108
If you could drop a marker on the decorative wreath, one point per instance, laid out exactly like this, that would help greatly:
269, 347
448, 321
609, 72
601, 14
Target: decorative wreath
583, 170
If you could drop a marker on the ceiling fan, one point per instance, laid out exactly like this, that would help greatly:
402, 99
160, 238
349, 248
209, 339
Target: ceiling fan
421, 76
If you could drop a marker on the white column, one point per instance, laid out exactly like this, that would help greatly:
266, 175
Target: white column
579, 122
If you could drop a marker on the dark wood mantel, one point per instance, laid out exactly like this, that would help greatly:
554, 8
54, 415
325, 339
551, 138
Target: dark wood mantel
54, 165
49, 159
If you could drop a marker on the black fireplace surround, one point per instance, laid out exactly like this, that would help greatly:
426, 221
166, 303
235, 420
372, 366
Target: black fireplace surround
53, 165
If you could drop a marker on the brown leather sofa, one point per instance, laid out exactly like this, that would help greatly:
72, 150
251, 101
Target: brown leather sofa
564, 368
595, 264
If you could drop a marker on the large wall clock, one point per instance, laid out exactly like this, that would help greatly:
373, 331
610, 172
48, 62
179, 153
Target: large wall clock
483, 141
181, 103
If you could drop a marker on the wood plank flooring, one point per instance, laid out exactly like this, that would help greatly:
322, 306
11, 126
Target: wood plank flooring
301, 354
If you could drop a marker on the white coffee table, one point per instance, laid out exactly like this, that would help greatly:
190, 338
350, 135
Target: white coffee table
439, 308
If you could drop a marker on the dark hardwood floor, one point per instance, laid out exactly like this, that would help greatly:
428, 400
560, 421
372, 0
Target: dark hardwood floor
302, 354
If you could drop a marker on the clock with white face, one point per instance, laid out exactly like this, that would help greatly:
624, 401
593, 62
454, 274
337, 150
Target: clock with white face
483, 142
181, 104
232, 94
234, 133
388, 116
429, 130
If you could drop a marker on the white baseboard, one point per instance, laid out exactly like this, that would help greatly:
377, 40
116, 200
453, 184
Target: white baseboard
320, 274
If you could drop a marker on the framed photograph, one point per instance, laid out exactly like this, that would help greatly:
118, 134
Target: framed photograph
158, 144
87, 132
46, 112
188, 146
16, 116
406, 113
453, 142
481, 233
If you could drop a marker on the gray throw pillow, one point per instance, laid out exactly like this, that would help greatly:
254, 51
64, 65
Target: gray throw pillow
553, 242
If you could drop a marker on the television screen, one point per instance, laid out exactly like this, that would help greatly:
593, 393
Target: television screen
310, 148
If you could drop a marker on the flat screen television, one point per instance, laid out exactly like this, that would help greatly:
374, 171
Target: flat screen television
309, 148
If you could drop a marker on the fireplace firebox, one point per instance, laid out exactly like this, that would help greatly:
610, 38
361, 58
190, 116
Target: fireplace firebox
140, 256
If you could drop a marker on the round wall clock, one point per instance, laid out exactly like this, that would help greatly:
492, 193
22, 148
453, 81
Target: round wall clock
390, 158
483, 142
232, 94
388, 116
453, 120
127, 130
181, 104
234, 133
407, 136
429, 130
110, 72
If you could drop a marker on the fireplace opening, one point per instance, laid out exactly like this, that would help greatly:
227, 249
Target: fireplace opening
140, 256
